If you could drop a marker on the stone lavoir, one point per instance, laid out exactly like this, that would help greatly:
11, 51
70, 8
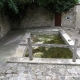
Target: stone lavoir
39, 17
49, 52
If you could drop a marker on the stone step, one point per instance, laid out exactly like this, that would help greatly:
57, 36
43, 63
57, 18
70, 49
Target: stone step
44, 61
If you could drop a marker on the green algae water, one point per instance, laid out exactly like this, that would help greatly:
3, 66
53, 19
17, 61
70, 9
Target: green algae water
49, 52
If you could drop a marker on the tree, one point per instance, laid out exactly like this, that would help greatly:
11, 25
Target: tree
52, 5
10, 4
57, 5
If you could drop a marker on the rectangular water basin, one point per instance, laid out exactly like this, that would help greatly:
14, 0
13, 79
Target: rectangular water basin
49, 37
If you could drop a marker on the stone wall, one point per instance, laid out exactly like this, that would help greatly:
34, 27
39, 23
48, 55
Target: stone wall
40, 17
77, 12
68, 19
4, 25
37, 17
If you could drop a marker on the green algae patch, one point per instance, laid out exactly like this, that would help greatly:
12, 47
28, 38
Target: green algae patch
49, 52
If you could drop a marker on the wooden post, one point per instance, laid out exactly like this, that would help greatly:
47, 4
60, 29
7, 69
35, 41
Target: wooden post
75, 50
30, 49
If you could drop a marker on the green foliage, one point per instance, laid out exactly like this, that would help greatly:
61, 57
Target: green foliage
1, 3
12, 5
52, 5
57, 5
22, 2
44, 2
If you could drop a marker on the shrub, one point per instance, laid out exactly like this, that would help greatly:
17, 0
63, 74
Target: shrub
52, 5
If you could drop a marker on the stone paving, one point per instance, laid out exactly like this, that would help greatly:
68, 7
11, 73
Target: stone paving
36, 71
25, 71
10, 42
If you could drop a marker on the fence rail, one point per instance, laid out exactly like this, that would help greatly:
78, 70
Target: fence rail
74, 47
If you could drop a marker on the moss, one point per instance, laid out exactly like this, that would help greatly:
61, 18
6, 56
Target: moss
47, 39
52, 52
46, 52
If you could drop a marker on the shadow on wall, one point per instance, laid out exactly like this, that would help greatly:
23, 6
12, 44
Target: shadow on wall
34, 16
4, 24
37, 17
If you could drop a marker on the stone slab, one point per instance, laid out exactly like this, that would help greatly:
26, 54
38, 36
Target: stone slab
44, 60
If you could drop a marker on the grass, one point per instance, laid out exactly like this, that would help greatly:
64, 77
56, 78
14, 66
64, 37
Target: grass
47, 52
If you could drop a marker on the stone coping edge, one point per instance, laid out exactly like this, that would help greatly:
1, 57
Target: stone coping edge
44, 61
